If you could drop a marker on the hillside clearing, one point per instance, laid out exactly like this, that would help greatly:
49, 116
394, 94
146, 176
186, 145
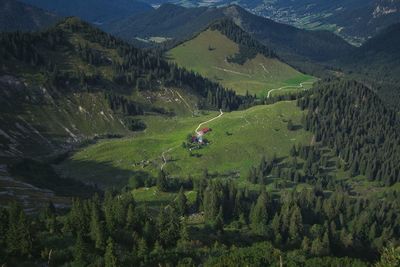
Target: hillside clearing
258, 131
212, 49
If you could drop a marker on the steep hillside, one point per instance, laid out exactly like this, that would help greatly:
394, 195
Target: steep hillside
168, 22
17, 16
226, 54
75, 82
96, 11
354, 20
298, 47
287, 40
377, 63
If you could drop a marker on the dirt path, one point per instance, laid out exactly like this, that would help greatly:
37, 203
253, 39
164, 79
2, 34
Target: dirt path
164, 159
183, 99
262, 65
301, 85
201, 124
232, 71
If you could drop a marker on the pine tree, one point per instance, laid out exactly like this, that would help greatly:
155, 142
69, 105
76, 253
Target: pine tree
131, 219
296, 225
259, 214
168, 225
181, 202
162, 183
80, 252
110, 260
143, 249
219, 222
18, 237
97, 233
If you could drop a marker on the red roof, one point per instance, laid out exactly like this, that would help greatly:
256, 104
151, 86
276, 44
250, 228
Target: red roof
206, 130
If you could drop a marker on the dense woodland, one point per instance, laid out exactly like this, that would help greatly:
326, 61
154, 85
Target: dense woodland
139, 69
312, 218
302, 228
349, 118
248, 46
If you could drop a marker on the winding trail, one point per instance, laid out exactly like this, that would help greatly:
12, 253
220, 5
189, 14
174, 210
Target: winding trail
163, 156
301, 85
164, 159
210, 120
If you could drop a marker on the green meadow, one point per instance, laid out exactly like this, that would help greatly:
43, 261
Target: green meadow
238, 141
207, 55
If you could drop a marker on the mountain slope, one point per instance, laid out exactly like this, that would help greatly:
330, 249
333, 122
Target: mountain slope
169, 21
17, 16
74, 82
288, 40
377, 63
354, 20
228, 55
97, 11
296, 46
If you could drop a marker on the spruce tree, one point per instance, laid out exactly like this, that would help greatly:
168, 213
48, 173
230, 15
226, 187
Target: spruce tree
80, 252
259, 214
181, 202
162, 183
110, 259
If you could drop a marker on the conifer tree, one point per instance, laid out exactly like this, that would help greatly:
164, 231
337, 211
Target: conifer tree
80, 252
259, 214
110, 260
181, 202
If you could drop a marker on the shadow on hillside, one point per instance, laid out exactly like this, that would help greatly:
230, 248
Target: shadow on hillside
101, 175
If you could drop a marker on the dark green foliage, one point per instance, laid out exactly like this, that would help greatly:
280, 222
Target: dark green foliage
355, 123
162, 183
18, 235
248, 46
110, 260
181, 203
134, 124
120, 104
80, 252
259, 214
168, 225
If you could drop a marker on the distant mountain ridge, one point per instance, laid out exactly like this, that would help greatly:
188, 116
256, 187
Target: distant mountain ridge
377, 62
296, 46
17, 16
355, 20
168, 20
95, 11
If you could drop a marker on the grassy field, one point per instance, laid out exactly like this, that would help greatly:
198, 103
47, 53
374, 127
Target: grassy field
238, 140
257, 75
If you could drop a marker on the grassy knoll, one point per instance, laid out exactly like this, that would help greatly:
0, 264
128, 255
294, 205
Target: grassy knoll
207, 53
238, 141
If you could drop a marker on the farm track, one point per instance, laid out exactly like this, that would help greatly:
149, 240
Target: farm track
217, 117
164, 159
301, 85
